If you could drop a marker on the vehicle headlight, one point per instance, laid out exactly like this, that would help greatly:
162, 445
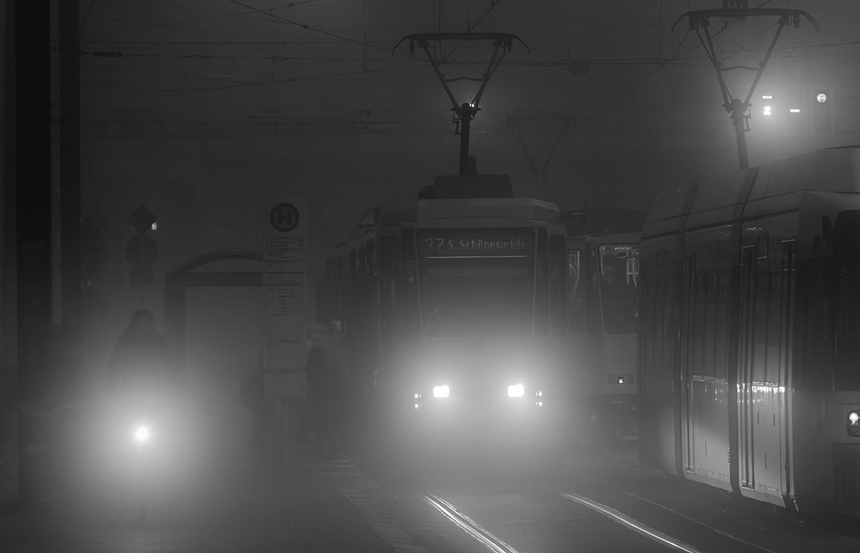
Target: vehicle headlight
441, 391
516, 390
141, 434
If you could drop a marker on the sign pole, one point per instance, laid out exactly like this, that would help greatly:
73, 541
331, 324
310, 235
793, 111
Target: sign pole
140, 280
284, 300
141, 249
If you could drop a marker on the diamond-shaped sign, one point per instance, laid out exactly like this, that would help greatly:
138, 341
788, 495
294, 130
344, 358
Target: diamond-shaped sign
141, 219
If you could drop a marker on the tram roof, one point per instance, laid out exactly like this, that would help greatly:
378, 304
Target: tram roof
729, 197
504, 208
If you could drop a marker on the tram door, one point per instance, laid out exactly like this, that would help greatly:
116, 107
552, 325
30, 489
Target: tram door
765, 349
688, 414
745, 375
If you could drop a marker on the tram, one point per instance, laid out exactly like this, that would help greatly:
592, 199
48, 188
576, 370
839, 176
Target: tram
454, 314
603, 279
749, 350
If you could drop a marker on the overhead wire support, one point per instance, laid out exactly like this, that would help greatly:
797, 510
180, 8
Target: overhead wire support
465, 112
700, 22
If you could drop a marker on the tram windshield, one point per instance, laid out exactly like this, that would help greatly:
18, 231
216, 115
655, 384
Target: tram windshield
619, 283
476, 282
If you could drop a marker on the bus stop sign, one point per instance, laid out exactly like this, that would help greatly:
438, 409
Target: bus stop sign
284, 217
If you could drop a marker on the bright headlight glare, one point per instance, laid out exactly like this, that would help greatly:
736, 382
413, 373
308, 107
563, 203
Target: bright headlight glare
141, 434
441, 391
516, 390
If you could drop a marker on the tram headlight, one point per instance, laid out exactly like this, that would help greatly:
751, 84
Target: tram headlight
441, 391
516, 390
141, 434
854, 423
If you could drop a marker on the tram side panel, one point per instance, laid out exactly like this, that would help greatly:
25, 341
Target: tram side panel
660, 263
603, 295
768, 254
706, 360
825, 376
586, 348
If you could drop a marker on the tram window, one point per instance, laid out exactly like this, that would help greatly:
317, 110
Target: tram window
721, 316
542, 285
574, 292
468, 291
847, 376
775, 324
702, 342
591, 292
619, 276
389, 261
558, 293
657, 328
669, 328
760, 326
409, 306
653, 327
819, 297
709, 330
831, 320
368, 258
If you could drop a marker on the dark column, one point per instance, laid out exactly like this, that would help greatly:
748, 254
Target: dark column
8, 280
70, 179
31, 150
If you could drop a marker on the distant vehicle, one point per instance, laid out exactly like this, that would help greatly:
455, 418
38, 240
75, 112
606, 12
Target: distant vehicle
603, 279
749, 357
454, 312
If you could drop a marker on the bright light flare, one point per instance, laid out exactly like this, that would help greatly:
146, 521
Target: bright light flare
516, 390
141, 434
441, 391
854, 424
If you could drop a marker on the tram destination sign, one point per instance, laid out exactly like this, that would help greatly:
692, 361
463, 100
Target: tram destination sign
476, 244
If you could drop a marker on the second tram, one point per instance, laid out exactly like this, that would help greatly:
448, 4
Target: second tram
749, 357
603, 279
454, 315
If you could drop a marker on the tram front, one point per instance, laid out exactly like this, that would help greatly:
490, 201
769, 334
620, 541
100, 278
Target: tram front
481, 372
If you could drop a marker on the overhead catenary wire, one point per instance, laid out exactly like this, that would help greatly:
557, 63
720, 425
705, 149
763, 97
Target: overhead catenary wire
407, 65
309, 27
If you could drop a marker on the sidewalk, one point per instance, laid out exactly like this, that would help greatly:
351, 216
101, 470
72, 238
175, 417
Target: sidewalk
247, 504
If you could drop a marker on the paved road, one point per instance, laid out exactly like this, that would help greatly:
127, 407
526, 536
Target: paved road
601, 501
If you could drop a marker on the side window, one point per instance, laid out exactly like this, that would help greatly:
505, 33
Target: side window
591, 292
409, 310
655, 324
542, 285
669, 328
558, 290
760, 319
574, 291
389, 272
369, 260
721, 318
